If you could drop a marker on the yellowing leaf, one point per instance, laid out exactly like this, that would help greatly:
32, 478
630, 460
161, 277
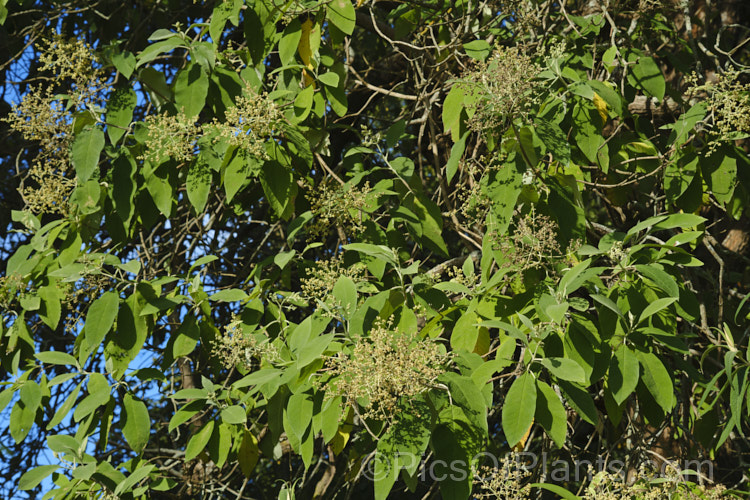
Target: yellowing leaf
601, 107
342, 435
522, 443
305, 51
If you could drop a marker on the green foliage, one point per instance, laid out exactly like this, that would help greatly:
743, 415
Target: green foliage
246, 243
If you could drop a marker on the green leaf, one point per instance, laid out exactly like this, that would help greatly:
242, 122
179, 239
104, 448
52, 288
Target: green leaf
289, 41
465, 392
551, 414
646, 75
198, 184
656, 306
478, 49
98, 390
31, 479
624, 372
662, 279
345, 291
678, 175
136, 477
56, 358
457, 151
299, 412
190, 90
452, 107
199, 441
100, 318
63, 411
278, 185
234, 415
120, 108
85, 152
657, 379
124, 62
565, 369
557, 490
229, 295
303, 104
341, 14
721, 176
465, 332
519, 408
137, 424
554, 138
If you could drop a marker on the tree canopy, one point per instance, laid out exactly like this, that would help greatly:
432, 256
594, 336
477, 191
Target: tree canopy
415, 249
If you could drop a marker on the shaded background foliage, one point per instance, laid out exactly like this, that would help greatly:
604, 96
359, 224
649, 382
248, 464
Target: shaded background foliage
441, 119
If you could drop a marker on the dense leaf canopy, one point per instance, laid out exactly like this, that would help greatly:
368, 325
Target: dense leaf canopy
417, 249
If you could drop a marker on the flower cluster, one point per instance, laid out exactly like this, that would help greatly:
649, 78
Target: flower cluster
321, 278
384, 367
248, 124
236, 348
508, 480
337, 206
170, 136
728, 103
45, 115
500, 88
533, 243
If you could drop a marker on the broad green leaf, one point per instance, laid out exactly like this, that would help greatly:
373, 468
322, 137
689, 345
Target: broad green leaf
289, 41
190, 90
31, 479
299, 412
661, 278
465, 392
645, 74
98, 390
452, 107
519, 408
465, 332
565, 369
136, 427
555, 140
278, 185
198, 184
551, 414
657, 379
457, 151
478, 49
120, 108
198, 441
63, 410
137, 476
656, 306
85, 152
678, 174
345, 292
623, 374
234, 414
557, 490
229, 295
56, 358
303, 104
341, 14
100, 318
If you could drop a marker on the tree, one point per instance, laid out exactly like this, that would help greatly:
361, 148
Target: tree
322, 249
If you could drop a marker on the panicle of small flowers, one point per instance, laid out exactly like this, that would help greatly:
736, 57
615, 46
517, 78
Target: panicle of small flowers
321, 278
236, 348
500, 87
337, 206
728, 103
250, 123
170, 136
72, 60
508, 480
384, 367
